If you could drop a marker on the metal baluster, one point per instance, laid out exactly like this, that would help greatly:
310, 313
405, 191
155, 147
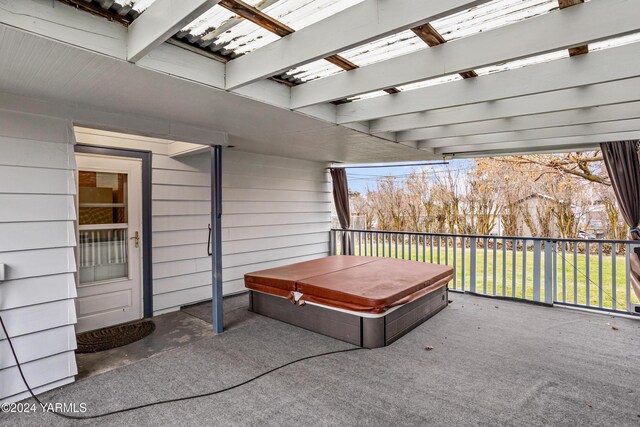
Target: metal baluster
417, 238
600, 274
431, 249
587, 262
395, 255
410, 247
424, 248
536, 270
463, 261
472, 264
495, 266
484, 273
332, 242
370, 244
402, 236
514, 248
524, 268
554, 255
455, 257
575, 272
614, 291
504, 267
564, 273
549, 286
438, 249
389, 236
446, 250
628, 277
377, 245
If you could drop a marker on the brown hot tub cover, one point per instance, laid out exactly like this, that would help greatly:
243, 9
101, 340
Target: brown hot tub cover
367, 284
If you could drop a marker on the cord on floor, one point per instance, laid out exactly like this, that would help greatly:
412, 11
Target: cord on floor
160, 402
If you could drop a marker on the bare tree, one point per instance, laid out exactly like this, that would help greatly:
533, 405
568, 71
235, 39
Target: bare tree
417, 186
585, 165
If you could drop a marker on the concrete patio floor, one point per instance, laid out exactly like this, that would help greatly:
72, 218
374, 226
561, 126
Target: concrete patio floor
492, 363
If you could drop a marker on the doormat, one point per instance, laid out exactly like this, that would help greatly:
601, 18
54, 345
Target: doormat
114, 336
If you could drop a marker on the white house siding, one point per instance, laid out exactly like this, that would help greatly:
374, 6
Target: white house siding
37, 240
275, 211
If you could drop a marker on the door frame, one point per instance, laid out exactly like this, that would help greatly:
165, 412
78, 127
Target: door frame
147, 266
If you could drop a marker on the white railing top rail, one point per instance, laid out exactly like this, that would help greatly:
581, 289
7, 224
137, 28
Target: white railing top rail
481, 236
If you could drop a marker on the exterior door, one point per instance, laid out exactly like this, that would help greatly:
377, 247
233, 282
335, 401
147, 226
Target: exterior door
109, 241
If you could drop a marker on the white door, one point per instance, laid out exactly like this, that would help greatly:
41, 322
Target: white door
109, 241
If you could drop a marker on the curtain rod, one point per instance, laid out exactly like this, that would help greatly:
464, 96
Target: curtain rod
389, 165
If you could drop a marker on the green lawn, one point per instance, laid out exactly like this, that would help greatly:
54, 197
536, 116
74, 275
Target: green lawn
493, 282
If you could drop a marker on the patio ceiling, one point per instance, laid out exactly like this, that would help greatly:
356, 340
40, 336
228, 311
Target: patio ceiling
445, 78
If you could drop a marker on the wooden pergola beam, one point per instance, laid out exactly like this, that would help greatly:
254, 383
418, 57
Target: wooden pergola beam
257, 16
432, 37
578, 50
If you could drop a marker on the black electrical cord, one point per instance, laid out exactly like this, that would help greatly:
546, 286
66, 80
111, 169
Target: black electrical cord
160, 402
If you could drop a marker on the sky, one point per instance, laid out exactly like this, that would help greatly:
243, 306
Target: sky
360, 179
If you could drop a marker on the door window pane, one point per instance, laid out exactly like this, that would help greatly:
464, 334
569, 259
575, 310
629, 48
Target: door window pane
103, 255
103, 245
102, 198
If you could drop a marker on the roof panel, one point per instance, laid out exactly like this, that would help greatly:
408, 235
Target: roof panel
489, 16
618, 41
138, 5
222, 31
481, 18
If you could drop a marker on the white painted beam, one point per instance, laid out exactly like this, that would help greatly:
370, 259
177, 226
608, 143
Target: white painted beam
556, 75
533, 134
568, 99
630, 110
172, 60
359, 24
58, 21
136, 124
561, 29
66, 24
160, 21
521, 147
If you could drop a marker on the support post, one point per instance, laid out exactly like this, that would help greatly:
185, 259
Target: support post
472, 264
216, 238
549, 267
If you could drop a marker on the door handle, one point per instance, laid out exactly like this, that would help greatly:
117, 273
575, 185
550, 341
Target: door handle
136, 237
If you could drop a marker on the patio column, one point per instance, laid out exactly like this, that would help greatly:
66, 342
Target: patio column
216, 238
623, 166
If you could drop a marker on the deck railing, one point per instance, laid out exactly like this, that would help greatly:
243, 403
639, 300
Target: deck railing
592, 274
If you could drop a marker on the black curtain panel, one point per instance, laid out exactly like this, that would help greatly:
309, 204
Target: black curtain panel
341, 200
623, 166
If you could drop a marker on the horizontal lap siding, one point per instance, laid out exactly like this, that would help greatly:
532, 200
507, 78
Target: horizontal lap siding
37, 211
275, 211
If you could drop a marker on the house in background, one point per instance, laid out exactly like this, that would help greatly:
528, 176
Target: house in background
128, 128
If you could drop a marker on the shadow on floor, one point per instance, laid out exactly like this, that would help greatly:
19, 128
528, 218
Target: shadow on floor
173, 330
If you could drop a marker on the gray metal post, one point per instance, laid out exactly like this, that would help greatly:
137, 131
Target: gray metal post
472, 264
548, 272
216, 238
536, 269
